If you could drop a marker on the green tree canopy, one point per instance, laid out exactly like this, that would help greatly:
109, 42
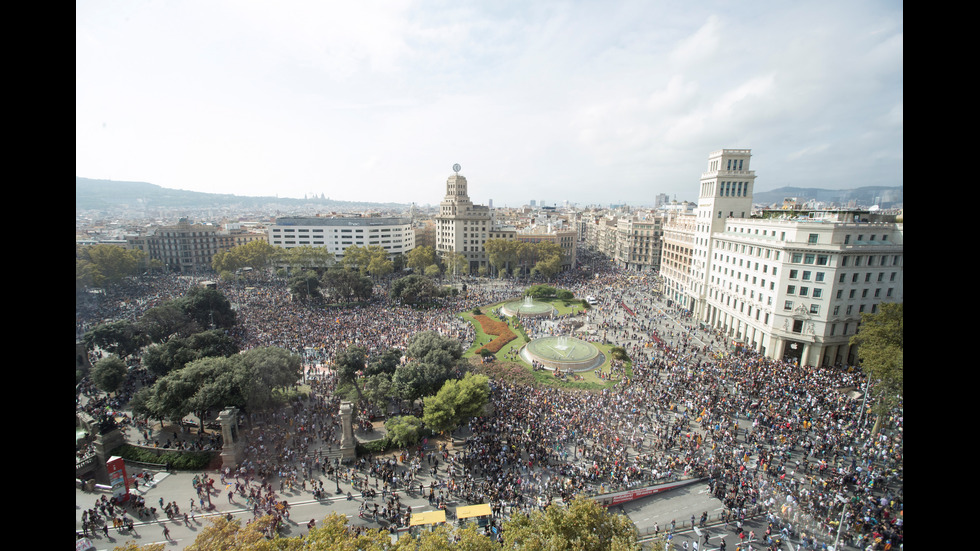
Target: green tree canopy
305, 257
420, 258
249, 380
161, 359
404, 430
208, 307
347, 285
305, 284
455, 402
880, 342
256, 254
122, 338
167, 320
109, 373
582, 526
99, 265
413, 289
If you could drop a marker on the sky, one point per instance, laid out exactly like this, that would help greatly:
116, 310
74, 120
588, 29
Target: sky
590, 102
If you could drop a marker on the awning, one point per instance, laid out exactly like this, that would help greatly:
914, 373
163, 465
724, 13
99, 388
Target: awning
473, 511
429, 517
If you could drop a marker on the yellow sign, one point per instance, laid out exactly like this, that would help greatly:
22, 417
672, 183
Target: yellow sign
429, 517
473, 511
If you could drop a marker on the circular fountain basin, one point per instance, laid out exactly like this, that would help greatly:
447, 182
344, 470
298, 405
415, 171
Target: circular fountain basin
564, 353
527, 307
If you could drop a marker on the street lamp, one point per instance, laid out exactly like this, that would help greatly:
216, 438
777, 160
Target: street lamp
843, 510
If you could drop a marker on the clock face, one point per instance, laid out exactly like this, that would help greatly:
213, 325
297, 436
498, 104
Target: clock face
456, 167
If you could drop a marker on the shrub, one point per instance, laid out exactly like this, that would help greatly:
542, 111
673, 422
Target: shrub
178, 460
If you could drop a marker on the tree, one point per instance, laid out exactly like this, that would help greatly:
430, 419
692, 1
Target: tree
350, 364
305, 257
444, 538
248, 381
163, 358
223, 534
455, 402
305, 284
103, 264
582, 526
264, 370
384, 363
502, 254
414, 288
109, 373
208, 307
420, 258
167, 320
404, 430
347, 285
431, 347
122, 338
256, 254
880, 342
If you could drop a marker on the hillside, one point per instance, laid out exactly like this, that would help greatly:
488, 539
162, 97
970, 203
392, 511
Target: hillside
109, 194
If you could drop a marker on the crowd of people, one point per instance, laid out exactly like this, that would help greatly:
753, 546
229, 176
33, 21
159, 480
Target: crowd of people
766, 434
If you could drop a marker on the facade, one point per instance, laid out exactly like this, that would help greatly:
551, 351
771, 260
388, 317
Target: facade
788, 284
184, 247
394, 235
566, 239
638, 242
462, 227
677, 257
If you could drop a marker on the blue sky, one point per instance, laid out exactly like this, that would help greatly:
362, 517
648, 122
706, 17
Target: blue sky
594, 102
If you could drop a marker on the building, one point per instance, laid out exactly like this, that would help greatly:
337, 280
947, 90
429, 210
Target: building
462, 227
394, 235
185, 247
638, 242
788, 284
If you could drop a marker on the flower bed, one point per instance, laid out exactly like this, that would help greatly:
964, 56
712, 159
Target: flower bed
499, 329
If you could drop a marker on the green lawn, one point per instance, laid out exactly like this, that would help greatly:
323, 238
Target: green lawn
588, 381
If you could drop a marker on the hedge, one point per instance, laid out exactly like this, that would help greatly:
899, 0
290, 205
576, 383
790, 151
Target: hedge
176, 459
498, 328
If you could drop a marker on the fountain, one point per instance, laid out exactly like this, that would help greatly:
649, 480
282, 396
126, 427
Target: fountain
527, 307
564, 353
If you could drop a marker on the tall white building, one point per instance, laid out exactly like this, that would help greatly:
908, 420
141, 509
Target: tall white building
394, 235
789, 284
462, 227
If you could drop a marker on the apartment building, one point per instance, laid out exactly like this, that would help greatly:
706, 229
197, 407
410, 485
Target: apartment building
789, 284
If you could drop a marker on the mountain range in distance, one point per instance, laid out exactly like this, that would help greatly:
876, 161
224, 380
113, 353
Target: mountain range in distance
93, 194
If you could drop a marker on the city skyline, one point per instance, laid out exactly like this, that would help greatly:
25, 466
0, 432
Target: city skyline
593, 103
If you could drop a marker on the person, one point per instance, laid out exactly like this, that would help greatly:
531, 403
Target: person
166, 532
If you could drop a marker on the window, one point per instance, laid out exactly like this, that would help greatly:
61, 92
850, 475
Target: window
812, 239
797, 258
788, 305
806, 276
814, 309
791, 290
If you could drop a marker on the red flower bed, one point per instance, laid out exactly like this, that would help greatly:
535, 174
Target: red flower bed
499, 329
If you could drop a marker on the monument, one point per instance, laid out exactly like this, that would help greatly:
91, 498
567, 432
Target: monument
347, 443
232, 448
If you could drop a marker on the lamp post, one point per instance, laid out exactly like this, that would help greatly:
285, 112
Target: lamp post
843, 509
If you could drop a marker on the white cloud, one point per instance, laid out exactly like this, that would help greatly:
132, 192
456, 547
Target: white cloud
589, 101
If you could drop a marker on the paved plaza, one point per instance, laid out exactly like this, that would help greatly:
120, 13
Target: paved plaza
684, 414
